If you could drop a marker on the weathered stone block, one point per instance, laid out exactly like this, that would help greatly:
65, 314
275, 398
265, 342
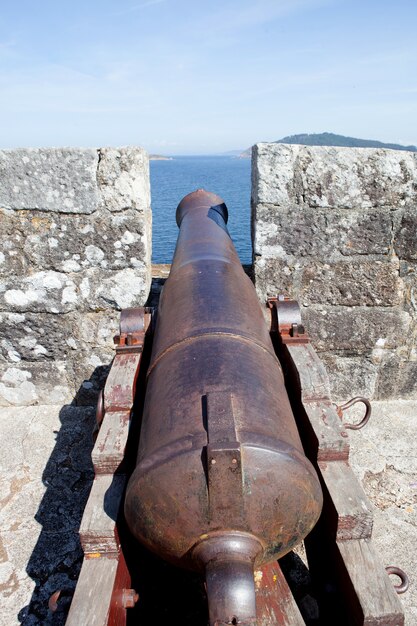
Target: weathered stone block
49, 179
301, 232
76, 228
102, 290
405, 242
274, 277
353, 283
408, 274
350, 376
357, 329
329, 177
398, 377
60, 293
45, 336
41, 292
24, 383
123, 176
73, 243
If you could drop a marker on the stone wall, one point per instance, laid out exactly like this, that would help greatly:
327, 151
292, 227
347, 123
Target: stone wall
336, 228
76, 249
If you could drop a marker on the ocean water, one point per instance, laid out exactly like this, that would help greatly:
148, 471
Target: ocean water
172, 180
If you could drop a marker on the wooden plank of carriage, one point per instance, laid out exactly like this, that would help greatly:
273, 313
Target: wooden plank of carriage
119, 391
371, 597
98, 529
102, 593
109, 449
274, 601
92, 598
346, 507
324, 437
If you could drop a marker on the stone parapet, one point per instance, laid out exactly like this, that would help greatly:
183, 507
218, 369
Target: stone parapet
336, 229
76, 249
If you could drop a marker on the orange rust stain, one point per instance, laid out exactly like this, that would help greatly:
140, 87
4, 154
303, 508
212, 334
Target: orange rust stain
40, 222
3, 552
10, 586
16, 485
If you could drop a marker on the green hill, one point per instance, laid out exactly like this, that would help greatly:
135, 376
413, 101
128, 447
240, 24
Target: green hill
330, 139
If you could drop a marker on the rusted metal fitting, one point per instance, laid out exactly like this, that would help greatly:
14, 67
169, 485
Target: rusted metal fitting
100, 407
341, 408
134, 324
129, 598
286, 320
396, 571
53, 601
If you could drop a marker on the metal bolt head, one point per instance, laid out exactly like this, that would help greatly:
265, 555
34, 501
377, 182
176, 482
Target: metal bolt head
129, 598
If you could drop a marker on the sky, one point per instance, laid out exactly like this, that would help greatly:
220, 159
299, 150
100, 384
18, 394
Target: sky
190, 77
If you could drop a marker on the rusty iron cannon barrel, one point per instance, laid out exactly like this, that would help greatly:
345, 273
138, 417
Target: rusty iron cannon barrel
221, 482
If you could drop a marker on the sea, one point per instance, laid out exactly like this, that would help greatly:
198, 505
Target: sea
228, 177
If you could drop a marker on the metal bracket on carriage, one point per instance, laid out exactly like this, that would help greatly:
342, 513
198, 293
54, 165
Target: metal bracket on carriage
134, 324
286, 320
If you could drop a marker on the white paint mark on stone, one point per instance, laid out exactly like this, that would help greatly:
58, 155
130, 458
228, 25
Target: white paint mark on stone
52, 242
72, 343
17, 297
16, 318
14, 356
49, 280
40, 350
85, 288
69, 294
28, 342
71, 266
128, 238
94, 254
2, 258
15, 376
95, 361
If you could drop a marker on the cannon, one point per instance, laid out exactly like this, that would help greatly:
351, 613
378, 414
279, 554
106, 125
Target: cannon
221, 482
239, 447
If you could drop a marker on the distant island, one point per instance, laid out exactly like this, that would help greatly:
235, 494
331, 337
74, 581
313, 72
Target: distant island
159, 157
330, 139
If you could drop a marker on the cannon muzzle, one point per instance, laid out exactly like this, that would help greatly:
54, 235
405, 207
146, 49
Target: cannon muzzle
221, 482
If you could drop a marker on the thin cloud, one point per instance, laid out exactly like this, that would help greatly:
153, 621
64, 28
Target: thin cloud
138, 7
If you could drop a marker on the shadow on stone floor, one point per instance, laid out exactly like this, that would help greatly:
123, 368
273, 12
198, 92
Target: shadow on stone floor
56, 560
